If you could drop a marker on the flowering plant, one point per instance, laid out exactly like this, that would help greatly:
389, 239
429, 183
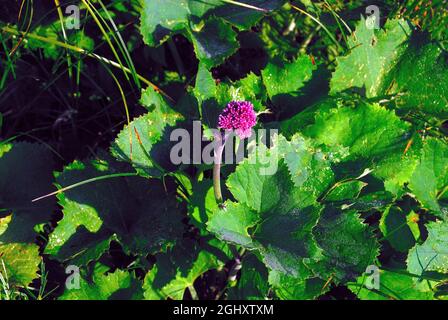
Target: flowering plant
239, 116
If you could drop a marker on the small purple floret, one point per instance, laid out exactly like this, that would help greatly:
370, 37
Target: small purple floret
239, 116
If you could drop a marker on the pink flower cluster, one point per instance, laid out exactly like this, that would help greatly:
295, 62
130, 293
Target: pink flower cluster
239, 116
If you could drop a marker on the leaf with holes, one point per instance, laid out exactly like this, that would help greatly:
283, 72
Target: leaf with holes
19, 263
372, 56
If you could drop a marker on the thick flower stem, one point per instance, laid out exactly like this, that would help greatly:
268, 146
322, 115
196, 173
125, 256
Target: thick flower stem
217, 182
219, 148
233, 272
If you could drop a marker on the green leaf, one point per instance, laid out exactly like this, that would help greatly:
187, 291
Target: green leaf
286, 242
297, 123
19, 263
385, 63
290, 174
209, 95
205, 86
161, 18
432, 255
202, 203
251, 89
376, 200
421, 79
345, 191
397, 167
431, 174
105, 285
373, 54
242, 17
396, 229
368, 130
413, 219
392, 286
177, 270
4, 223
349, 245
21, 181
374, 137
232, 224
283, 238
136, 142
308, 166
290, 288
207, 23
283, 78
258, 191
278, 207
137, 211
215, 42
